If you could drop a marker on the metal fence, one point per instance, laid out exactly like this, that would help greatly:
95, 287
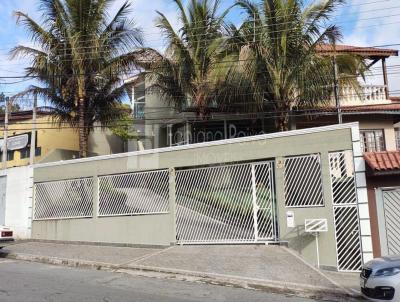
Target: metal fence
64, 199
134, 193
303, 181
347, 229
391, 206
222, 204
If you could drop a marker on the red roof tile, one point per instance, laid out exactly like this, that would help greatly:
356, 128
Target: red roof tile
362, 51
383, 161
394, 106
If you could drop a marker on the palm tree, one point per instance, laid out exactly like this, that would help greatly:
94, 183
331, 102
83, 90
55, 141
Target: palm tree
278, 58
79, 58
189, 72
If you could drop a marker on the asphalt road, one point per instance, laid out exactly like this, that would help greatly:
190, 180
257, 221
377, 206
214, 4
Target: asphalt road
31, 282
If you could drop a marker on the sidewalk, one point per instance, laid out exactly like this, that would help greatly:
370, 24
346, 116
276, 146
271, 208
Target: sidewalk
269, 268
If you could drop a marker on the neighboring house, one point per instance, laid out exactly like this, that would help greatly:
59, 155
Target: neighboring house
54, 142
374, 109
159, 125
150, 113
383, 185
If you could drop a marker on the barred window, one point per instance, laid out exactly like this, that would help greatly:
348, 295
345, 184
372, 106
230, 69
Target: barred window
397, 131
372, 140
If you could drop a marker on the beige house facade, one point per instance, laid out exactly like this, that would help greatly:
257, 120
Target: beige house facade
377, 113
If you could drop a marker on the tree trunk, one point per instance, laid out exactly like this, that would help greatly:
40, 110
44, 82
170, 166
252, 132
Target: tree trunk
83, 144
283, 122
283, 119
202, 112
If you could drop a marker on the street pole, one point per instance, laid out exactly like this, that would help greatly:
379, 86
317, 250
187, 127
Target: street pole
33, 133
5, 134
336, 90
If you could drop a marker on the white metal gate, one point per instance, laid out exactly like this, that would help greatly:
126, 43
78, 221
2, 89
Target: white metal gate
226, 204
345, 210
389, 228
3, 188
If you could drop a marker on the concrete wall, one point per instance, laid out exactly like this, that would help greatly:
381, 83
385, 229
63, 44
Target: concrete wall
146, 230
271, 146
18, 206
104, 142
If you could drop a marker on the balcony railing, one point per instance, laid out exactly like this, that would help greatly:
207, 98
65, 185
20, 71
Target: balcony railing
368, 94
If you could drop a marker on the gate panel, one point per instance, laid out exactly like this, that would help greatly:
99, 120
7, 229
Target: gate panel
217, 204
64, 199
134, 193
347, 228
391, 204
265, 201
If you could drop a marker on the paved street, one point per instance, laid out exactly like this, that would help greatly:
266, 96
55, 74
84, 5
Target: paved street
31, 282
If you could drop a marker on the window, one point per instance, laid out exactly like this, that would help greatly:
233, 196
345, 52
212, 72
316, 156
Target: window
303, 181
372, 140
138, 110
397, 131
24, 153
139, 100
10, 155
38, 151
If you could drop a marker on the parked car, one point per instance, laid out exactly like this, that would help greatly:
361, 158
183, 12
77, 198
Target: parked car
6, 235
380, 279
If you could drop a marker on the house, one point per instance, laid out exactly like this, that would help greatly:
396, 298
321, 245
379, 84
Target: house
54, 142
159, 125
383, 186
377, 113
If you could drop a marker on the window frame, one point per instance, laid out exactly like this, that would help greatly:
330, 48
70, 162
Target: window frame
377, 146
397, 137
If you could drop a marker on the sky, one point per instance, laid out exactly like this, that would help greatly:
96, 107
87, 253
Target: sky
363, 23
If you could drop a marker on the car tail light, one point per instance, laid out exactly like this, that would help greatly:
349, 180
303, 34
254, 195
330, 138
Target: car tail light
6, 234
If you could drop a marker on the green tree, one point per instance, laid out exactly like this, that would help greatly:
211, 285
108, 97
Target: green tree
81, 54
278, 57
189, 73
123, 127
13, 107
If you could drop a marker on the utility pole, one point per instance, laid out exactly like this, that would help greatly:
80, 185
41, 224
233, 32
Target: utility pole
254, 28
336, 90
5, 133
33, 133
385, 78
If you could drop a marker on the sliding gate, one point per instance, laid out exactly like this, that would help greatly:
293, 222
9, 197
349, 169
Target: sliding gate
226, 204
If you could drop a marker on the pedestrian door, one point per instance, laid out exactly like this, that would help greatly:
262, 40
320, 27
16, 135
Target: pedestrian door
388, 206
226, 204
3, 183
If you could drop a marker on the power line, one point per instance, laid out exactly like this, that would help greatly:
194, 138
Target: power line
260, 26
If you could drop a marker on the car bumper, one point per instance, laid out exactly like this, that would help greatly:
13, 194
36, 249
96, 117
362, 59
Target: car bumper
6, 239
382, 289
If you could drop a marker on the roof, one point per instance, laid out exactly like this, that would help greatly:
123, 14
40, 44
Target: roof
387, 161
369, 52
376, 107
392, 109
27, 114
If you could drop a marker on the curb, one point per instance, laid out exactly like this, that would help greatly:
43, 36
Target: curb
293, 289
